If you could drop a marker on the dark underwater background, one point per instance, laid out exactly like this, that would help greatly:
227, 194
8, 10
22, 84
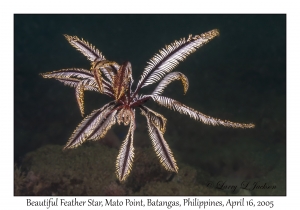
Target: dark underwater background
239, 76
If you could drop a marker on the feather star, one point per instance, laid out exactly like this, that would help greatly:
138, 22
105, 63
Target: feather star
114, 80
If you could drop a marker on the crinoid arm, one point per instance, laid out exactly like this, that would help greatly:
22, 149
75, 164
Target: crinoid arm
85, 48
101, 130
80, 79
126, 153
108, 68
122, 80
76, 73
79, 90
155, 118
170, 78
196, 115
88, 84
99, 120
156, 128
170, 56
99, 63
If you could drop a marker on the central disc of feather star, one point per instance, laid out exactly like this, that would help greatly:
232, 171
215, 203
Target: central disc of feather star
114, 80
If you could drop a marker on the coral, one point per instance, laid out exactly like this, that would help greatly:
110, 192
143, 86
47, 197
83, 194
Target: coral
82, 171
114, 189
87, 170
90, 170
19, 180
184, 183
146, 169
175, 188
